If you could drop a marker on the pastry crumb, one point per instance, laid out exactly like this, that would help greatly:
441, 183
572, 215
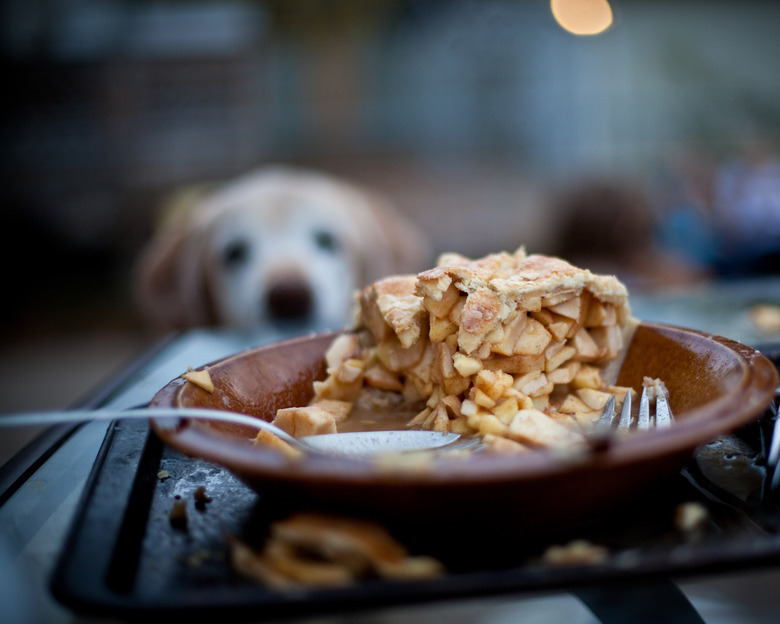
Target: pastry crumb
578, 552
201, 497
690, 517
177, 516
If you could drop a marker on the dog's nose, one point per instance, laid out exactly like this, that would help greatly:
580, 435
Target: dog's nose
290, 300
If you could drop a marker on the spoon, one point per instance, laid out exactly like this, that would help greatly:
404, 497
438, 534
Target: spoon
357, 443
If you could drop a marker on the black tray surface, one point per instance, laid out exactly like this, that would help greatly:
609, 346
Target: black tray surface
124, 558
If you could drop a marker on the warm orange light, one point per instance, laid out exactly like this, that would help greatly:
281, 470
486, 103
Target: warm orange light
582, 17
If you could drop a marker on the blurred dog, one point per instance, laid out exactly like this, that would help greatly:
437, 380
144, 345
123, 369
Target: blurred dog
275, 246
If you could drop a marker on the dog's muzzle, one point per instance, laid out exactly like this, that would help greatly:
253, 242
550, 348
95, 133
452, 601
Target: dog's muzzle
290, 300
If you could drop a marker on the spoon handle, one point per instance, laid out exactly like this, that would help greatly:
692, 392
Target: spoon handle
357, 443
168, 417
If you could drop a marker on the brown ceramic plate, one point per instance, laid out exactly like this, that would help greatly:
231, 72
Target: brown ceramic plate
716, 386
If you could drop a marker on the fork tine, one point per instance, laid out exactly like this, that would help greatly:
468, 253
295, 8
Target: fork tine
607, 414
643, 420
625, 413
663, 415
774, 457
774, 449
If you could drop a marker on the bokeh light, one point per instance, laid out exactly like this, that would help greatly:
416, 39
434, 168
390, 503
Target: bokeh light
582, 17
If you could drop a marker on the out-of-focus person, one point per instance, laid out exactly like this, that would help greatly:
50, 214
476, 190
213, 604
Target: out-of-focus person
681, 198
609, 227
747, 211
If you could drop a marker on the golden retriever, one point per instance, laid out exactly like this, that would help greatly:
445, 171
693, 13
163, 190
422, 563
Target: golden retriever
275, 246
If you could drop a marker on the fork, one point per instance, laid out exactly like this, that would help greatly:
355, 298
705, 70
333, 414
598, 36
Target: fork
773, 452
663, 414
664, 418
609, 421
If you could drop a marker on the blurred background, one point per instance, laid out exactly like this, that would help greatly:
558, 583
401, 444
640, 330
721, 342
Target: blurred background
649, 149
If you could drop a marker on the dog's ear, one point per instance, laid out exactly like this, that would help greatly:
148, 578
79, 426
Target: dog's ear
170, 286
392, 243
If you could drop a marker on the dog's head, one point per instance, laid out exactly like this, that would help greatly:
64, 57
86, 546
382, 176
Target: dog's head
276, 245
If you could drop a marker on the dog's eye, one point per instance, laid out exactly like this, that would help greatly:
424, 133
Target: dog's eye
235, 253
326, 240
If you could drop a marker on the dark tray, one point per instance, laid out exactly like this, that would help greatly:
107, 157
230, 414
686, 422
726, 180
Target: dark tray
123, 558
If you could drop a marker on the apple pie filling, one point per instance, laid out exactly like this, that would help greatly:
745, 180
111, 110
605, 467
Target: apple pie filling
520, 349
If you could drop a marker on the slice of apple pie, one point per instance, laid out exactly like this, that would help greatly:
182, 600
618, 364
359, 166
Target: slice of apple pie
520, 349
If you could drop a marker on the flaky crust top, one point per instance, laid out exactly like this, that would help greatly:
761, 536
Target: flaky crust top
527, 282
493, 288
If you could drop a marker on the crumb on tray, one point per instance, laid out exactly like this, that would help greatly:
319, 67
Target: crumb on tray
178, 514
319, 550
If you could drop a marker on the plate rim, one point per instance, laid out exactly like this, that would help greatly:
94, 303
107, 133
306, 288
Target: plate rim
759, 378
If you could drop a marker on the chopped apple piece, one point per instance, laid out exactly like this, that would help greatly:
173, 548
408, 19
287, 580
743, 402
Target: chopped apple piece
538, 429
442, 306
506, 409
594, 399
338, 409
343, 347
453, 404
582, 413
573, 404
269, 440
438, 420
571, 308
608, 339
538, 387
587, 376
544, 316
500, 445
600, 314
468, 342
587, 349
350, 371
201, 378
493, 383
465, 365
305, 421
566, 353
515, 364
561, 327
533, 340
377, 376
440, 328
511, 335
564, 374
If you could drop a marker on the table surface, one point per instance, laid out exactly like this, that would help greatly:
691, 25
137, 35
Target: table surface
35, 517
